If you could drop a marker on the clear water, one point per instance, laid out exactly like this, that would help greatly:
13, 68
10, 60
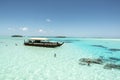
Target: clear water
38, 63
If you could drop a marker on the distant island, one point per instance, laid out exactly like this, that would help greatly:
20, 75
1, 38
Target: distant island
16, 36
60, 36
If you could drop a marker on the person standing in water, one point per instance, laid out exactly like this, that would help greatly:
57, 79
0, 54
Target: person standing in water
88, 63
15, 44
54, 55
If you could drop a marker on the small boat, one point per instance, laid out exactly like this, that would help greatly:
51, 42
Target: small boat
42, 42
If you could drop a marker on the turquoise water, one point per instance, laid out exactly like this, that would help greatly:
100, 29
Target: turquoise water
19, 62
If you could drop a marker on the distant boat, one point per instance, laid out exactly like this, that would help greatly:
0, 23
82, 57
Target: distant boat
42, 42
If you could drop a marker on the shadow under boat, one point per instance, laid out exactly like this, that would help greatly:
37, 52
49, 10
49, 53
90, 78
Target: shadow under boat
42, 42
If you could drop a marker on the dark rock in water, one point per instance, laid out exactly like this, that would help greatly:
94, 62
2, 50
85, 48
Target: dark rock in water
114, 49
109, 52
101, 57
88, 60
110, 59
113, 58
82, 63
110, 66
99, 46
17, 36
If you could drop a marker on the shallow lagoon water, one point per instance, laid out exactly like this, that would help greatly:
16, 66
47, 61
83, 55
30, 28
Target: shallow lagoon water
38, 63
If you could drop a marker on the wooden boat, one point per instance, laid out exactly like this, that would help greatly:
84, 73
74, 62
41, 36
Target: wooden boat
41, 42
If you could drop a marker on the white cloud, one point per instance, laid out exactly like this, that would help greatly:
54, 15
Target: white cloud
41, 31
24, 28
48, 20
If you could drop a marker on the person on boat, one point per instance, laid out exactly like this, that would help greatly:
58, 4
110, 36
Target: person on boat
30, 41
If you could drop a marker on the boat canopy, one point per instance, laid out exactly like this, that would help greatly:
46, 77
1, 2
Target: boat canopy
41, 39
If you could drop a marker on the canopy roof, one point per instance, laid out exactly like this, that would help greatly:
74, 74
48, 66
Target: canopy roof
38, 39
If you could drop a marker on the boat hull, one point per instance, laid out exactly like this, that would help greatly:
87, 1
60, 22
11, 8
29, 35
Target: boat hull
48, 44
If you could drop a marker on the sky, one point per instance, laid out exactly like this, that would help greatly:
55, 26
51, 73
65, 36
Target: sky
81, 18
